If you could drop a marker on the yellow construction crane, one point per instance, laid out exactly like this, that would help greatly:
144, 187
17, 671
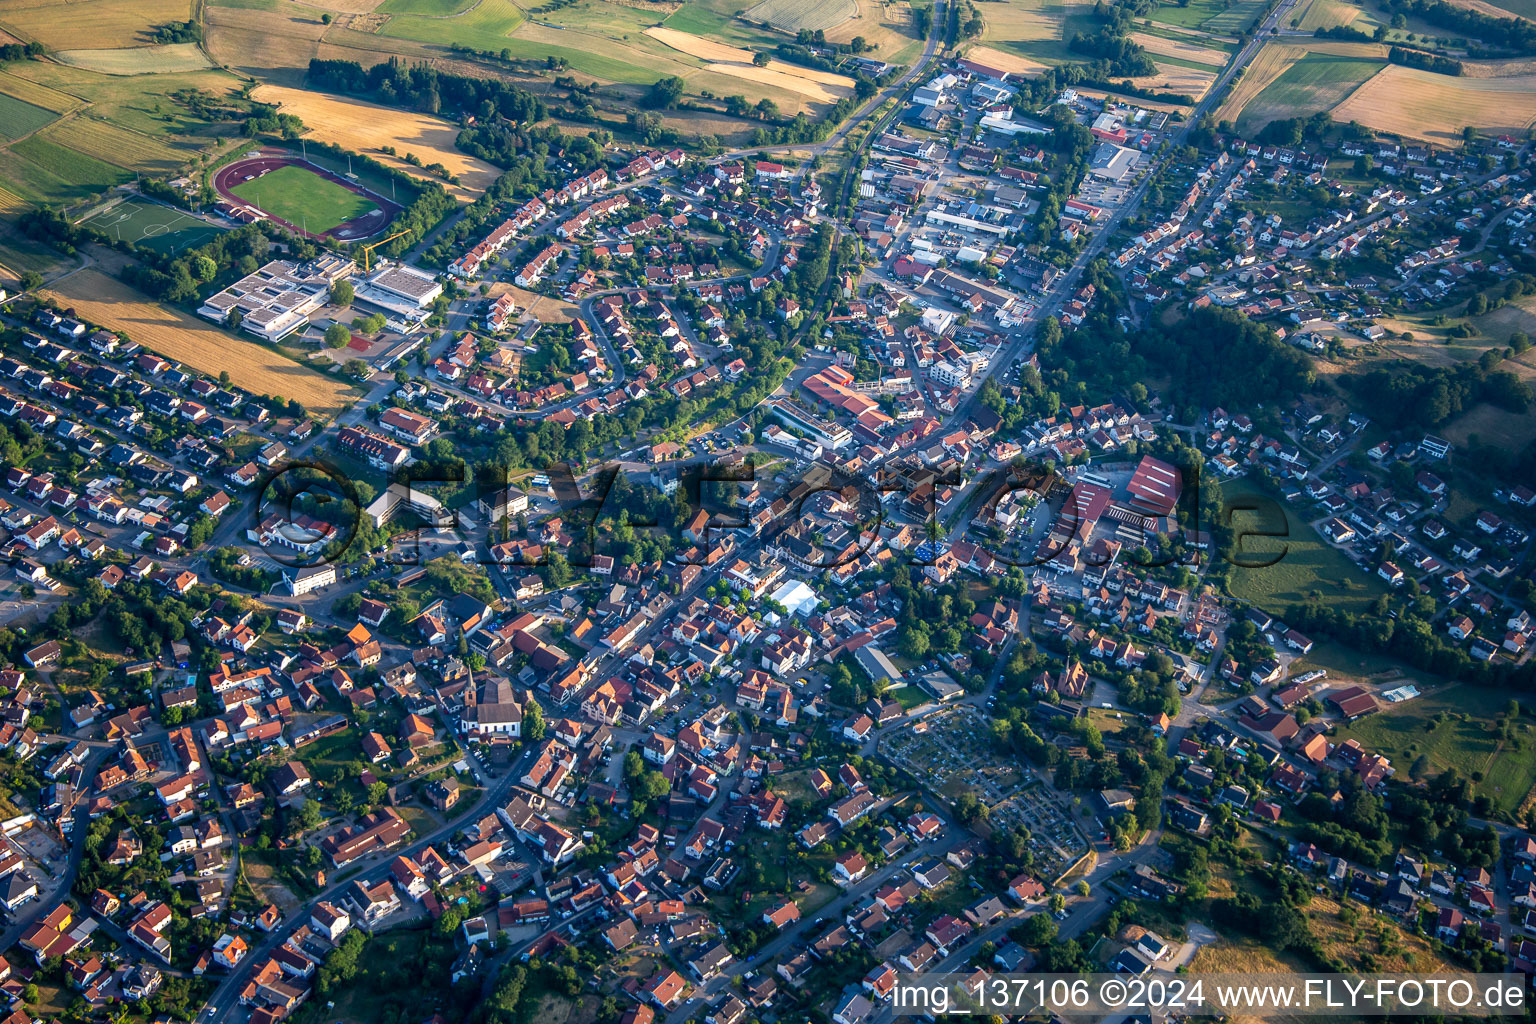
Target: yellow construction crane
368, 249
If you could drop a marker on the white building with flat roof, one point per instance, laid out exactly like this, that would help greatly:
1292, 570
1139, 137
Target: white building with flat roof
274, 301
397, 284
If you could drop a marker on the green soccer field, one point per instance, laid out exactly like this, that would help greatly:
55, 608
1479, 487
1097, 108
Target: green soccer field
303, 199
162, 228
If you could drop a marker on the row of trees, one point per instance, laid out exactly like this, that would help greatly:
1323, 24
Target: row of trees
1507, 34
422, 87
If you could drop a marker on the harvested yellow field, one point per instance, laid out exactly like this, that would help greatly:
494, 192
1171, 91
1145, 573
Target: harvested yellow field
1175, 48
1487, 68
1493, 11
1435, 108
778, 79
364, 127
886, 25
89, 24
1326, 14
1011, 63
198, 344
1173, 78
265, 41
342, 6
736, 62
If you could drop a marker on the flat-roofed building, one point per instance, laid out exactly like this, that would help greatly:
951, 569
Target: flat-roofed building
416, 286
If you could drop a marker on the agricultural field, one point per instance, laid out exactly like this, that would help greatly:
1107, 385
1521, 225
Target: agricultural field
90, 24
1327, 14
1434, 108
1228, 17
19, 118
486, 25
158, 227
113, 126
1276, 59
1502, 9
729, 60
1454, 728
794, 15
1183, 49
364, 127
275, 42
1008, 62
138, 60
1315, 82
200, 345
300, 196
1037, 30
426, 8
37, 95
1306, 564
718, 20
1193, 82
106, 141
45, 172
885, 25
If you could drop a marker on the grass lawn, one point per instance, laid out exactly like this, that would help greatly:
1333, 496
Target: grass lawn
1347, 663
303, 198
1306, 563
1110, 722
329, 759
1453, 728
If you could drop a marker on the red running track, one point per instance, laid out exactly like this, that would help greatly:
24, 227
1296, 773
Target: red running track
354, 230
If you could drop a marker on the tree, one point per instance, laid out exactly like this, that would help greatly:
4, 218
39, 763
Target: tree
342, 293
665, 94
327, 18
557, 571
355, 368
309, 814
1038, 931
1082, 888
31, 280
337, 336
760, 59
372, 324
533, 722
